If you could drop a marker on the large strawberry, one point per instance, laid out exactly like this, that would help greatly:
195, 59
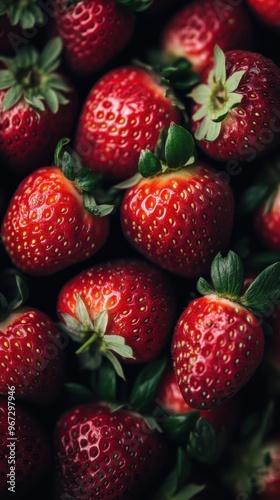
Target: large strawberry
125, 307
25, 455
235, 115
102, 452
37, 107
194, 30
53, 220
31, 349
218, 341
179, 213
123, 114
95, 31
266, 11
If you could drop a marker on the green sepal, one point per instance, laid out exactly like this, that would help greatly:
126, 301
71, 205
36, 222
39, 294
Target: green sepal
263, 293
205, 445
227, 275
105, 382
26, 14
145, 386
14, 291
148, 164
178, 75
136, 5
253, 197
179, 147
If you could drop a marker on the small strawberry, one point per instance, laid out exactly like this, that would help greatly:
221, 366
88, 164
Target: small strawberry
194, 30
122, 306
94, 32
103, 452
218, 341
37, 107
25, 450
31, 350
179, 212
266, 11
123, 114
235, 112
52, 220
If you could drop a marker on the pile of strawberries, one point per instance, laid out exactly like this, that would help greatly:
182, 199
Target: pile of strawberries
140, 249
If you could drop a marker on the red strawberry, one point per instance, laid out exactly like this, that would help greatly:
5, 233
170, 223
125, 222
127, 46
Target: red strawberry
266, 11
106, 453
170, 398
123, 114
194, 30
218, 341
125, 306
31, 351
180, 215
25, 451
52, 220
37, 107
94, 32
235, 115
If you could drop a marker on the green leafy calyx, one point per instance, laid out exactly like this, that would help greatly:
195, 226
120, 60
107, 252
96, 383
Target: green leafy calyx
32, 76
14, 291
216, 98
86, 182
23, 13
227, 275
93, 337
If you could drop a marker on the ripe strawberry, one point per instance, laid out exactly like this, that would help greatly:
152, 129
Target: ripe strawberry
94, 32
52, 220
25, 450
194, 30
266, 11
125, 306
180, 213
106, 453
123, 114
235, 114
170, 398
37, 107
218, 341
31, 351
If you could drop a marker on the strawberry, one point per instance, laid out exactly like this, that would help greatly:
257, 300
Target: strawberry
266, 11
31, 350
94, 32
122, 306
269, 476
52, 220
235, 114
103, 452
179, 212
37, 107
170, 398
218, 341
25, 450
123, 114
194, 30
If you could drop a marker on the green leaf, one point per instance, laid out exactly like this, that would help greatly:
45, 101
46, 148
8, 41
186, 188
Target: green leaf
203, 442
220, 65
12, 96
86, 180
49, 57
51, 98
82, 313
146, 384
117, 344
227, 275
178, 427
94, 209
148, 164
253, 197
107, 382
7, 79
264, 292
115, 362
204, 287
179, 146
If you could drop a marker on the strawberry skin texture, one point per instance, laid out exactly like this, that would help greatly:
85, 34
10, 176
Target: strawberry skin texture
179, 221
123, 114
267, 11
32, 451
105, 454
28, 137
93, 32
139, 298
267, 223
216, 347
46, 228
196, 28
251, 129
32, 356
